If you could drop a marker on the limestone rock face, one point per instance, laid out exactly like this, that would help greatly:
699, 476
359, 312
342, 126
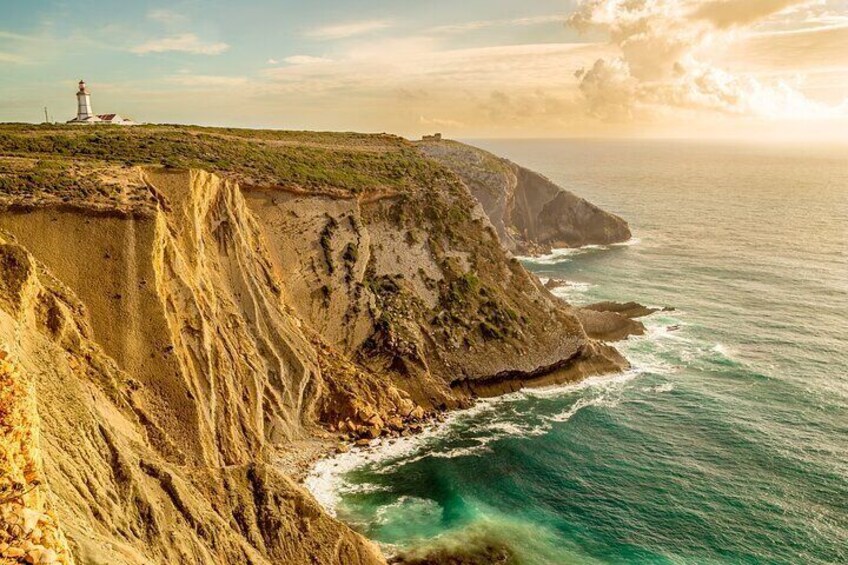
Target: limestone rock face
530, 213
29, 529
417, 287
164, 392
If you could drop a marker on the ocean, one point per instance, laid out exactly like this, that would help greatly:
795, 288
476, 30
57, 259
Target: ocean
727, 442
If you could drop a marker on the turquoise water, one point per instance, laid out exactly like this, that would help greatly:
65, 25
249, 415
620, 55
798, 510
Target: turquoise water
727, 442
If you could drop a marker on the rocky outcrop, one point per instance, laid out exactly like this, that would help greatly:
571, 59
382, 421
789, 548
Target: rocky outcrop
29, 530
626, 309
609, 326
530, 213
613, 321
416, 286
492, 554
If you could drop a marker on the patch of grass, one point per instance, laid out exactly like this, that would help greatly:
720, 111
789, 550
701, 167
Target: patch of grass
23, 178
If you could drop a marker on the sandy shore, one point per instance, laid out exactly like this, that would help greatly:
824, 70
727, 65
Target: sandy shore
299, 457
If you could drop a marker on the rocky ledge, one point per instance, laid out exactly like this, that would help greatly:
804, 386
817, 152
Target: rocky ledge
614, 321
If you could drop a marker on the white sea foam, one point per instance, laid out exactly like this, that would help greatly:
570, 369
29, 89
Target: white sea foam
471, 432
564, 254
723, 350
600, 381
659, 331
481, 447
629, 243
555, 257
666, 337
572, 291
606, 393
574, 409
325, 479
659, 389
407, 509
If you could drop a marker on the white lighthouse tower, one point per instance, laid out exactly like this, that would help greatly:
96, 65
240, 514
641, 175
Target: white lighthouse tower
84, 112
86, 116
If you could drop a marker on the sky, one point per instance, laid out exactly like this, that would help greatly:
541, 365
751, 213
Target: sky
752, 69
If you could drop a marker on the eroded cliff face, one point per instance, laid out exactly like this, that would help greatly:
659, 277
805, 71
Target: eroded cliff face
416, 286
166, 372
29, 529
182, 333
530, 213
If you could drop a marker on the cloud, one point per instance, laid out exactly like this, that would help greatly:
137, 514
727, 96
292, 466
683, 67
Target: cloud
610, 91
306, 60
801, 50
485, 24
165, 16
43, 45
731, 13
201, 81
349, 29
396, 81
12, 58
663, 61
184, 43
15, 36
440, 122
418, 64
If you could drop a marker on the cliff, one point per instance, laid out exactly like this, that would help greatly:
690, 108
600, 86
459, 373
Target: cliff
165, 371
192, 305
29, 530
530, 213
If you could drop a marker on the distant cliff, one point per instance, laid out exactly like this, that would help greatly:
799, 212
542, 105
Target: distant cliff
193, 305
530, 213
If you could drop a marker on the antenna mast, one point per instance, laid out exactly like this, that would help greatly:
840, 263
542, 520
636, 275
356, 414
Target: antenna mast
46, 119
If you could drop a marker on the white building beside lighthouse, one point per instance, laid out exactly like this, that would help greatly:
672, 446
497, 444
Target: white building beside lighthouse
86, 116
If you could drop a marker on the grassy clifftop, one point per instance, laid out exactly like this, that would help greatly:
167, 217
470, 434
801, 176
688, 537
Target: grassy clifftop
345, 164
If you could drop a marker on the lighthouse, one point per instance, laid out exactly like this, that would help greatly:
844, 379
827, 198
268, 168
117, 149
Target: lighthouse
83, 103
85, 115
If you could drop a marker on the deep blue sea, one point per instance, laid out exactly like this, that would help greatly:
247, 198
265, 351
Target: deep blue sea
726, 443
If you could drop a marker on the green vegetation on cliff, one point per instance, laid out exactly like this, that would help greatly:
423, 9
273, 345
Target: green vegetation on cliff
343, 163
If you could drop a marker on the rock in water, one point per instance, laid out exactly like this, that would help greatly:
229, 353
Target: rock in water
626, 309
608, 326
613, 321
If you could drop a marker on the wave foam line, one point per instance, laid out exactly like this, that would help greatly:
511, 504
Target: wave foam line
564, 254
326, 478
